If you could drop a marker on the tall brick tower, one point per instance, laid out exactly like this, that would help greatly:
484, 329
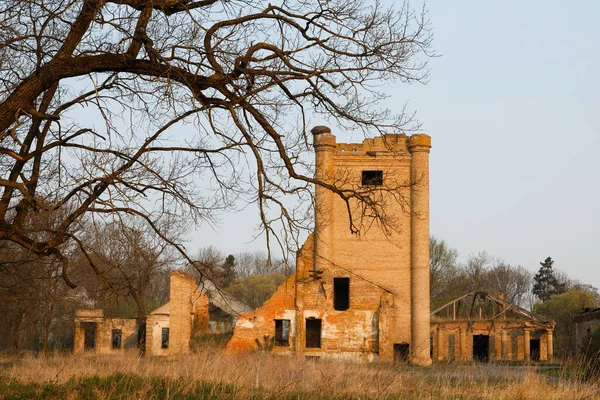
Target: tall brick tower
392, 252
361, 288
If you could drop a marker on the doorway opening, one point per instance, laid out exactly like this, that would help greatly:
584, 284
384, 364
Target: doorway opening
313, 333
89, 335
401, 351
282, 332
534, 349
481, 347
116, 339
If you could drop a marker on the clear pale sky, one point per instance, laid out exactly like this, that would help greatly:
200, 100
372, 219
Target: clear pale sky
513, 108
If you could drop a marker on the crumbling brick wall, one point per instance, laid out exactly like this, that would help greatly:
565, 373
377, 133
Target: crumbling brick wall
386, 263
156, 321
258, 324
186, 315
104, 332
187, 305
586, 324
514, 342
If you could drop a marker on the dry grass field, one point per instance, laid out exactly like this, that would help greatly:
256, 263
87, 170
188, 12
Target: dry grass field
217, 375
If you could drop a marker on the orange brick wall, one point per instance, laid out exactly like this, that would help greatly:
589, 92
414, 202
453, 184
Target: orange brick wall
259, 323
200, 313
186, 302
514, 342
377, 259
378, 254
185, 315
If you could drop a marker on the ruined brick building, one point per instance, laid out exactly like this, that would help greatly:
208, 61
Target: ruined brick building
364, 295
586, 324
193, 309
100, 334
361, 295
482, 327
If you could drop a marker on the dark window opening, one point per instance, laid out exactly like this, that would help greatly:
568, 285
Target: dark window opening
431, 347
282, 332
481, 347
534, 349
164, 344
116, 338
401, 351
372, 178
313, 333
89, 335
341, 293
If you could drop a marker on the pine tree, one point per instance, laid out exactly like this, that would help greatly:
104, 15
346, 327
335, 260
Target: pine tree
545, 283
227, 273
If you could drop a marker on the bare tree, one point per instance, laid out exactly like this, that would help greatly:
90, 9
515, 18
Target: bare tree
133, 265
513, 282
476, 269
444, 272
91, 90
210, 256
259, 263
481, 272
32, 292
32, 296
205, 264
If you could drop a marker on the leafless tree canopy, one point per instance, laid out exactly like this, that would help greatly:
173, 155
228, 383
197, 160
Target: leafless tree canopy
450, 279
179, 108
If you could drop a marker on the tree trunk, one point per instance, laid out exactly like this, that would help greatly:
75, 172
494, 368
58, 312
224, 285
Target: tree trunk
141, 322
16, 329
45, 342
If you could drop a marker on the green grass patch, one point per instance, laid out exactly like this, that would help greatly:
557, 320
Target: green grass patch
118, 386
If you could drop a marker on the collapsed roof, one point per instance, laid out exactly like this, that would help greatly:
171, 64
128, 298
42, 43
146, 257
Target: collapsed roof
222, 299
482, 306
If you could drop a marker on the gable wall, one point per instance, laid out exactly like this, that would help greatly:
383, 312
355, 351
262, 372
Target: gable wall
378, 260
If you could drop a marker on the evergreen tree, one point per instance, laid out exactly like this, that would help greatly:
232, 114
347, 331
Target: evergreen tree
545, 282
227, 273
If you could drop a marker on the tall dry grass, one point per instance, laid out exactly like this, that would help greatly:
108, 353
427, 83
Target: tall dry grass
265, 375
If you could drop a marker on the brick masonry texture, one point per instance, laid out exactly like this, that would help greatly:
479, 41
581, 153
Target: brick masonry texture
386, 261
104, 328
586, 324
445, 348
185, 315
511, 332
188, 310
